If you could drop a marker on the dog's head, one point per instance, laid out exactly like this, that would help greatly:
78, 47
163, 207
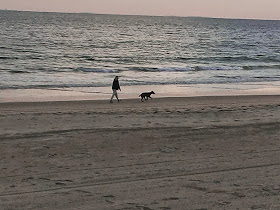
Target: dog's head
152, 92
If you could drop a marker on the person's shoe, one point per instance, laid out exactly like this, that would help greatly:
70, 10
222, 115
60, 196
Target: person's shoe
118, 100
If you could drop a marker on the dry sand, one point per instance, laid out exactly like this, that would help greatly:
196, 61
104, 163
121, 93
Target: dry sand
168, 153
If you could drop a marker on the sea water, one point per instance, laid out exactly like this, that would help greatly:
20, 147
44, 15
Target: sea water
67, 51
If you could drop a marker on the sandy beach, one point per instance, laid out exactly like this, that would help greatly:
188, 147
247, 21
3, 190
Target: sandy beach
168, 153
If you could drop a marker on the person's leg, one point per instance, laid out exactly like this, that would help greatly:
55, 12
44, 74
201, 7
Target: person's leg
113, 95
116, 94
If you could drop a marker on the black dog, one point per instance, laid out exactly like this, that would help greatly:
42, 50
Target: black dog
146, 95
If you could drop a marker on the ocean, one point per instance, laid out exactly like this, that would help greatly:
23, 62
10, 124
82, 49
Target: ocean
68, 51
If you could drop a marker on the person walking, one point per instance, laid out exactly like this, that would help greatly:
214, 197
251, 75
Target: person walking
115, 88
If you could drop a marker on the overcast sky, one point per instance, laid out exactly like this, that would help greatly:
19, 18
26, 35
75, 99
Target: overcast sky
256, 9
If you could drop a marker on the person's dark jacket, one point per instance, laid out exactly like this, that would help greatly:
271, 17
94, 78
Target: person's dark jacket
116, 85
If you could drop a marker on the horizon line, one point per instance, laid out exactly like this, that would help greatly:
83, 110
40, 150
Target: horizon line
93, 13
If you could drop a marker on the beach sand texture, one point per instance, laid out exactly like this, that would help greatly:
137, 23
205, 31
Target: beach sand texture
167, 153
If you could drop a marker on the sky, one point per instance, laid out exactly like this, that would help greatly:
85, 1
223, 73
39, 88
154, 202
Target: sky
249, 9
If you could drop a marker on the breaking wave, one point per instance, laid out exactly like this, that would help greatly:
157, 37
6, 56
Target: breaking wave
97, 70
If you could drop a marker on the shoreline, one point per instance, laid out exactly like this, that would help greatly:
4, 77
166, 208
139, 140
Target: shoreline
132, 92
190, 100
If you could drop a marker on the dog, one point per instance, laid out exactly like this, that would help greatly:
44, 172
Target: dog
145, 96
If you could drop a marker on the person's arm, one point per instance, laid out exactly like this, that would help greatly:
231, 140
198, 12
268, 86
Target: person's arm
119, 86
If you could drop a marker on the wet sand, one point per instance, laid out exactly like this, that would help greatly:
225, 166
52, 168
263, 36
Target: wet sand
167, 153
132, 92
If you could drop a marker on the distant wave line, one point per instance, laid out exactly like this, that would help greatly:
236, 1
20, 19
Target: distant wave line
223, 80
143, 69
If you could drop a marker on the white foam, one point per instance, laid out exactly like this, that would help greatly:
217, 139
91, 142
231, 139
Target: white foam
201, 68
97, 70
175, 69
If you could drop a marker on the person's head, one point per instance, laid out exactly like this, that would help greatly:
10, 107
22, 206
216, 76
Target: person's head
117, 77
